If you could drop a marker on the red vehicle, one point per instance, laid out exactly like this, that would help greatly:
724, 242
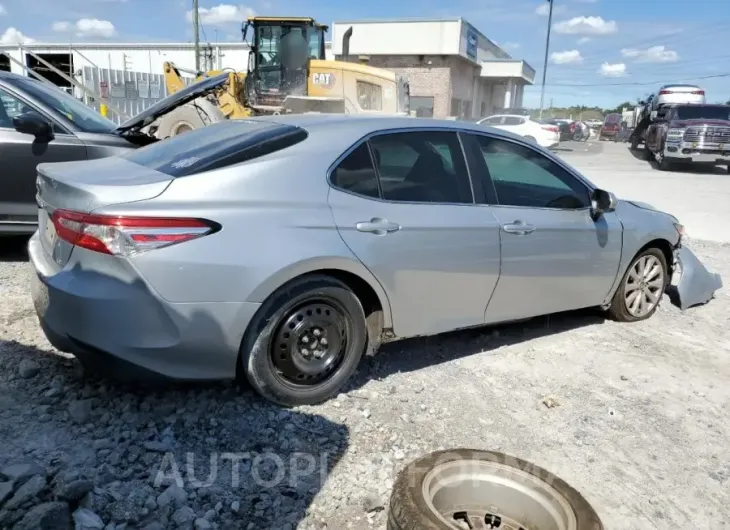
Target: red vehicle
611, 126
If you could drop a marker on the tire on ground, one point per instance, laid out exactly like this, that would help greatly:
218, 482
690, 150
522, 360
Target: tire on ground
255, 354
618, 310
194, 115
408, 509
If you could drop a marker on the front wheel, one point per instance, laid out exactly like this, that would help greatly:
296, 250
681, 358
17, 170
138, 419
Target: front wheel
305, 341
642, 287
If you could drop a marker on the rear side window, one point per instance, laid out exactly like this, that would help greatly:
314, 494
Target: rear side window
356, 173
511, 120
426, 166
216, 146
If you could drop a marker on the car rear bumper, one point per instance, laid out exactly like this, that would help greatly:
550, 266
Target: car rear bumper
687, 152
121, 327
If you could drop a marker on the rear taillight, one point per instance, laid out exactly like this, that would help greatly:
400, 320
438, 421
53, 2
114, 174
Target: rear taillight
572, 127
665, 92
551, 128
698, 92
118, 235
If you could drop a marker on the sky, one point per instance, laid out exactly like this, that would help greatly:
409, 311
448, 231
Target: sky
602, 52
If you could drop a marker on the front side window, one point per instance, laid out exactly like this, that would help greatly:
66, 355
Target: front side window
426, 166
369, 96
524, 177
81, 115
494, 120
10, 108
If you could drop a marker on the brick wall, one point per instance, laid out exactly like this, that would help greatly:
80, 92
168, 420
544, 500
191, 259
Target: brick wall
428, 77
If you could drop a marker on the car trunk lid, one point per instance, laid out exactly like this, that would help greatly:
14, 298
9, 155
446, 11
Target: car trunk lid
86, 186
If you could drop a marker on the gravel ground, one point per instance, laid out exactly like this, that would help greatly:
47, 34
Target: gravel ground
639, 422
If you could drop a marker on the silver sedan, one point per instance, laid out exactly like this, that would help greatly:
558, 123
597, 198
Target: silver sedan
282, 249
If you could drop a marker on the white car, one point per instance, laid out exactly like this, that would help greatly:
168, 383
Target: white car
543, 134
678, 95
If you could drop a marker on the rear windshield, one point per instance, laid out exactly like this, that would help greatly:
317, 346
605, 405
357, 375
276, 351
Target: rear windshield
613, 118
216, 146
707, 112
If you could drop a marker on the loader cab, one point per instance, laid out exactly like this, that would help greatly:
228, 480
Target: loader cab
281, 49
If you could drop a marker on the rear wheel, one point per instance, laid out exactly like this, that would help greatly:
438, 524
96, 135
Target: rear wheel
189, 117
305, 341
642, 287
531, 139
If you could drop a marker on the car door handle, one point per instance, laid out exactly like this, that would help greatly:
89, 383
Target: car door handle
519, 228
377, 226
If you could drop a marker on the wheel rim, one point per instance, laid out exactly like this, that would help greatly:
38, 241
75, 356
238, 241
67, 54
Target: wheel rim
310, 342
644, 286
477, 494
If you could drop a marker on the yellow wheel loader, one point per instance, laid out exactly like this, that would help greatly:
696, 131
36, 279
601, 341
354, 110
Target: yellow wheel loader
287, 73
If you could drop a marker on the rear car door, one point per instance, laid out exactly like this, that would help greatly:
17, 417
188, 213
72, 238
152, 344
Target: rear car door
403, 203
21, 154
555, 256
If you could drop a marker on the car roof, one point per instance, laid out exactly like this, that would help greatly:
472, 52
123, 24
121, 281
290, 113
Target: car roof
351, 127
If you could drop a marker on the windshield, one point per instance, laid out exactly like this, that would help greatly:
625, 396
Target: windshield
708, 112
84, 117
613, 118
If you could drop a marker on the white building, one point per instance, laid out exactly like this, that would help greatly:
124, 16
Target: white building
453, 69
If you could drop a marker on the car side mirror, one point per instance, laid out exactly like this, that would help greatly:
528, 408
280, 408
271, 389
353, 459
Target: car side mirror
35, 124
602, 201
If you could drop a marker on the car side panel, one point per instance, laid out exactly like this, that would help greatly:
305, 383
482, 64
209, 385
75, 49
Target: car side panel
641, 226
21, 154
274, 229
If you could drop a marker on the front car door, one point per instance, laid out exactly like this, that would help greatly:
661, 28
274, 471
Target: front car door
555, 256
20, 154
403, 203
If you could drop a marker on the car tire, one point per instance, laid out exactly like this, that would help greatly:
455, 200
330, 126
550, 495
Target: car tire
620, 308
531, 139
275, 361
409, 508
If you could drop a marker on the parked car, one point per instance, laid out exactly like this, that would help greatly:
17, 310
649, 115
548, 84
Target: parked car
566, 128
285, 248
40, 123
543, 134
690, 134
611, 126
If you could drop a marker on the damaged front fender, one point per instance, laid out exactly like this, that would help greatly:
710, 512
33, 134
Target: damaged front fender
696, 284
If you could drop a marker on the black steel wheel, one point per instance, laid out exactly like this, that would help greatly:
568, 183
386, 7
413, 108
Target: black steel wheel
305, 341
310, 341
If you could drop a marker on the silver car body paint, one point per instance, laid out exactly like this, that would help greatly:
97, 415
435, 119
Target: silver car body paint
696, 284
181, 311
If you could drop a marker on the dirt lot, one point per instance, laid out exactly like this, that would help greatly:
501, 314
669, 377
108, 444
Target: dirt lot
641, 426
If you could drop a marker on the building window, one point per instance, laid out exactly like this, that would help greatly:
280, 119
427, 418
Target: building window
422, 106
369, 96
483, 111
455, 107
466, 109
